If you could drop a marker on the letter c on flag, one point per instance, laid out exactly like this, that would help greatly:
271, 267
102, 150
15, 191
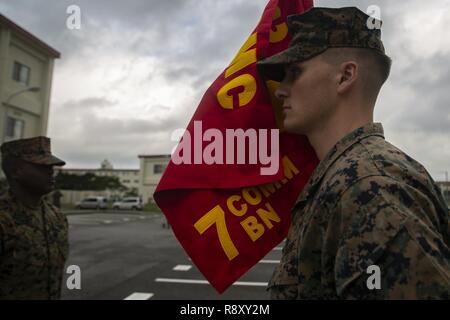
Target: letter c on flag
229, 101
281, 29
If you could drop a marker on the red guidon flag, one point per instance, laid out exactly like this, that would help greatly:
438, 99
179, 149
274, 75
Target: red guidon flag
233, 179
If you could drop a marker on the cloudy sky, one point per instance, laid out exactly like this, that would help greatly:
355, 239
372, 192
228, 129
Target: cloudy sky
137, 69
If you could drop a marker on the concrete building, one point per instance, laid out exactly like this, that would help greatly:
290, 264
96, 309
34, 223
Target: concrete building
151, 168
144, 180
26, 71
130, 178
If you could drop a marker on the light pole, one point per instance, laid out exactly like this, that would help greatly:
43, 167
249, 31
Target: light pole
30, 89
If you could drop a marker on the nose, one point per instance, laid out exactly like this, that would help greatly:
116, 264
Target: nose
282, 92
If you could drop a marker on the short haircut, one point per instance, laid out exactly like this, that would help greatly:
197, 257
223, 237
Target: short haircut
374, 67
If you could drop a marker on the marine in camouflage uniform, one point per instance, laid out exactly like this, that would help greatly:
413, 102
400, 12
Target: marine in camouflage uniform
367, 203
33, 238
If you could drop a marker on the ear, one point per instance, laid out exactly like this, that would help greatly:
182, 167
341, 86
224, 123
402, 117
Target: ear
349, 71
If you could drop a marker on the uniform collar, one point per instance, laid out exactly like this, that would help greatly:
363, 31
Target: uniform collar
21, 205
371, 129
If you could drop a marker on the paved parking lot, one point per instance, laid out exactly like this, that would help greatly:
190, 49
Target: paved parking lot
131, 256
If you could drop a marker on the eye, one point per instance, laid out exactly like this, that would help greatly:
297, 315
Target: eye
293, 73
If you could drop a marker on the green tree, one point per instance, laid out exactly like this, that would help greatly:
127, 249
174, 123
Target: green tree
88, 181
133, 192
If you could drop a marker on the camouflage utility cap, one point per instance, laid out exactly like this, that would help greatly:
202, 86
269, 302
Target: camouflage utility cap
35, 150
318, 29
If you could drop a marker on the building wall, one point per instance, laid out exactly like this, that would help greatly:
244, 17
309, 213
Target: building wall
32, 108
129, 178
144, 180
32, 126
74, 196
149, 177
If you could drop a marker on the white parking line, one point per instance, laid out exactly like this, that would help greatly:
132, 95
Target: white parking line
107, 221
139, 296
193, 281
269, 261
125, 219
252, 284
277, 249
182, 267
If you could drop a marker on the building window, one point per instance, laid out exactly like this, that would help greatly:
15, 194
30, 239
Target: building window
126, 181
21, 73
158, 168
14, 128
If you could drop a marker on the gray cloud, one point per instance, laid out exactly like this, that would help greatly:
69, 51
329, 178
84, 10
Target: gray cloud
84, 138
186, 44
92, 103
427, 82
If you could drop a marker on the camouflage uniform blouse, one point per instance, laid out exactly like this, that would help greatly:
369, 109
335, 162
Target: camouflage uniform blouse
33, 250
367, 203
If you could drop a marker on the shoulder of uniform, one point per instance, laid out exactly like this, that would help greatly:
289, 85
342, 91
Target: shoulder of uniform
378, 192
352, 166
389, 158
374, 183
396, 164
50, 205
375, 156
373, 210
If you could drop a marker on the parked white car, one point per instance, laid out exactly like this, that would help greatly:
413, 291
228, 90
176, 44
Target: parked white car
92, 203
131, 203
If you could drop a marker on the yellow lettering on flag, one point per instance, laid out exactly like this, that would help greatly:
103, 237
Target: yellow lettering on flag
245, 56
281, 29
269, 188
248, 84
268, 215
252, 196
239, 91
253, 228
289, 168
230, 204
217, 216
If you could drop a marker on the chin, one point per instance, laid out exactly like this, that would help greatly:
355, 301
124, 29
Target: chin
292, 127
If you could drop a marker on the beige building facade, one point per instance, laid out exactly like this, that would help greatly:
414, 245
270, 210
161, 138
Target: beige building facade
144, 180
26, 70
130, 178
151, 168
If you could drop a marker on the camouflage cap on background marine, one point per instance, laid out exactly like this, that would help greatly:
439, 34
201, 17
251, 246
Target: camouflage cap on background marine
34, 150
318, 29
